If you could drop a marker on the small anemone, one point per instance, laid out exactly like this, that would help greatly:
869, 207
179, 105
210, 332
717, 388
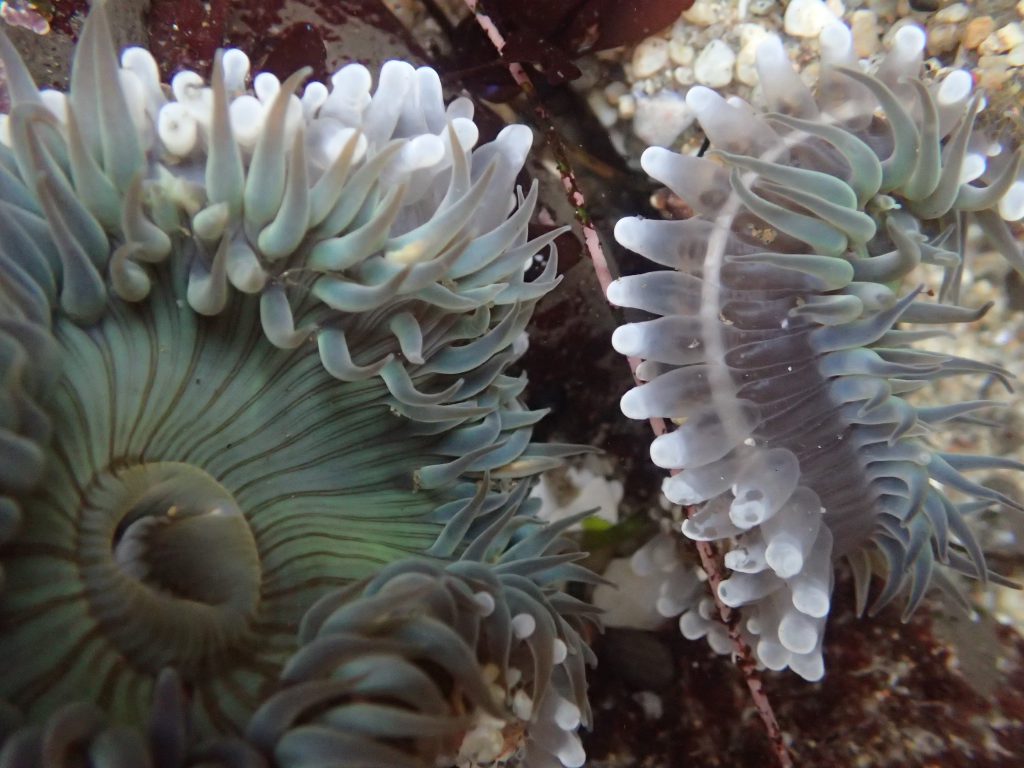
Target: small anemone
780, 349
254, 349
488, 635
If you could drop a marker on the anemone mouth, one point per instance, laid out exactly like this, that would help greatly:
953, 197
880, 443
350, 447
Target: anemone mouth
169, 566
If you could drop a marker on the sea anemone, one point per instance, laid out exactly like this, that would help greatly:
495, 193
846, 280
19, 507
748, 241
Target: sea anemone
781, 351
263, 469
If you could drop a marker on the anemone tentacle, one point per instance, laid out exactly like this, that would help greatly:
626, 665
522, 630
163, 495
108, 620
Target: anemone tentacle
780, 346
254, 349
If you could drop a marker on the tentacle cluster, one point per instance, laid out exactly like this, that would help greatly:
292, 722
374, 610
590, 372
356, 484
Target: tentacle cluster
253, 349
493, 638
80, 733
780, 352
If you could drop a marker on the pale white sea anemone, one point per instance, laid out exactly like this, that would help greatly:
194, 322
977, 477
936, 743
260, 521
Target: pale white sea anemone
780, 348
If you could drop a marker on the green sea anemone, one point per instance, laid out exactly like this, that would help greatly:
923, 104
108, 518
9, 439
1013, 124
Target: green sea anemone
263, 469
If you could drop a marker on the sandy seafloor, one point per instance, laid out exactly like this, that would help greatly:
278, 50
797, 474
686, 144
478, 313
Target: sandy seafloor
943, 689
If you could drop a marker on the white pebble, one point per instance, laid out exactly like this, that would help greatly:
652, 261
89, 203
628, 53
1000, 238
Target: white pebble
650, 703
811, 74
1011, 35
751, 36
661, 118
650, 57
714, 64
865, 31
749, 32
683, 75
952, 14
614, 91
605, 113
680, 52
806, 18
627, 106
704, 13
991, 45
